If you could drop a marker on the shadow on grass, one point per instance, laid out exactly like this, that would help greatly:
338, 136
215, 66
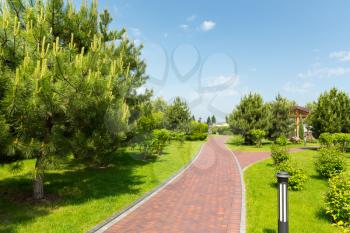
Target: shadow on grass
72, 187
269, 231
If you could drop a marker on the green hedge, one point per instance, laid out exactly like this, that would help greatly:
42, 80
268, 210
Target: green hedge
196, 137
342, 140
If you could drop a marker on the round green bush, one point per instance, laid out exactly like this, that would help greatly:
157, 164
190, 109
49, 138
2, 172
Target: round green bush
337, 199
279, 154
330, 162
297, 175
281, 140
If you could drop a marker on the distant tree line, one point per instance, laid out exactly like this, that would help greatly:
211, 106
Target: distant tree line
329, 113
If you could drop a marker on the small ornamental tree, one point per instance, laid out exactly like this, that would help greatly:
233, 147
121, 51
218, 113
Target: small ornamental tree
258, 135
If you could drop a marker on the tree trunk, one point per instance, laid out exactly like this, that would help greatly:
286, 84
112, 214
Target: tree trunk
38, 182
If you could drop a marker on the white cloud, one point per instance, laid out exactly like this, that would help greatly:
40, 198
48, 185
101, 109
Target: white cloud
220, 85
191, 18
340, 55
207, 25
297, 88
325, 72
136, 32
184, 27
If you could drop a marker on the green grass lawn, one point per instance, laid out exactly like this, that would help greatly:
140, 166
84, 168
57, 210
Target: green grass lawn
305, 207
82, 197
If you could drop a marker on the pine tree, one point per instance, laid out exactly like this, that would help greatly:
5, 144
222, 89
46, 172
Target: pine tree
213, 119
178, 115
68, 86
330, 113
250, 114
209, 120
280, 118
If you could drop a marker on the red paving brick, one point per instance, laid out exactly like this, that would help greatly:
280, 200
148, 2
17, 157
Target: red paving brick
205, 198
247, 158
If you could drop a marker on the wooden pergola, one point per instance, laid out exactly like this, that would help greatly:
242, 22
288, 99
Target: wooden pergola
300, 113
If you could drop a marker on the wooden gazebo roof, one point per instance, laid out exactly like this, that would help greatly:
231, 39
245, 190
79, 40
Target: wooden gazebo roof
301, 110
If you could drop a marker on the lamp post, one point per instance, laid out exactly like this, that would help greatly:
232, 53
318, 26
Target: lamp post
282, 178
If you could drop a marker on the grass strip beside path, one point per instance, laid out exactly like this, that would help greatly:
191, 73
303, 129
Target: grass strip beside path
82, 197
306, 213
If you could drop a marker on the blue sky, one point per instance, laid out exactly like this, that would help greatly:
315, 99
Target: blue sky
213, 52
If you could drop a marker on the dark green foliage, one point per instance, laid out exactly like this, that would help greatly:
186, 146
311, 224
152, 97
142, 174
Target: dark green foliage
301, 129
280, 118
331, 113
330, 162
258, 135
251, 113
298, 175
209, 121
213, 119
337, 199
279, 154
4, 136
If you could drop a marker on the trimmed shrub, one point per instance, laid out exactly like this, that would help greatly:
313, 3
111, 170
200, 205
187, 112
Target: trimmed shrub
237, 140
297, 175
197, 137
326, 139
258, 135
330, 162
337, 199
281, 141
341, 140
279, 154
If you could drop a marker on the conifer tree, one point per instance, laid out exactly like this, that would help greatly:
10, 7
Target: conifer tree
69, 83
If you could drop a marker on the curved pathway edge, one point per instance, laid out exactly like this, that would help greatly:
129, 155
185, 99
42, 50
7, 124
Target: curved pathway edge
243, 204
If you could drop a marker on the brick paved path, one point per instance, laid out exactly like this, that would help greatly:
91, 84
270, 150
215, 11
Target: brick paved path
247, 158
205, 198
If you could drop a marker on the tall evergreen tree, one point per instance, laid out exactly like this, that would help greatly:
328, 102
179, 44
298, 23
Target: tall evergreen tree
330, 113
281, 121
68, 86
209, 120
213, 119
250, 114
